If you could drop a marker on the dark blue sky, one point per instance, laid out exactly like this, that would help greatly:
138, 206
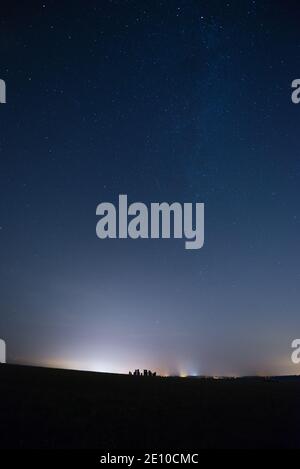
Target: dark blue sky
185, 101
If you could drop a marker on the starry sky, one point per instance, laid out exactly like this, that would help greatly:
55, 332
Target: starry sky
186, 101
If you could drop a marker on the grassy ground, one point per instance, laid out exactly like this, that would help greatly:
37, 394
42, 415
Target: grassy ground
43, 408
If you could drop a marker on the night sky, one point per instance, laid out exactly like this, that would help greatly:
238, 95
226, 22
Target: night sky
186, 101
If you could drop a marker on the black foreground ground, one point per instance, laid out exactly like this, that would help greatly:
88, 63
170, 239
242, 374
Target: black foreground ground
47, 408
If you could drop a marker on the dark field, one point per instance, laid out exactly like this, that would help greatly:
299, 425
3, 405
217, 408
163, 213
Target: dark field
44, 408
